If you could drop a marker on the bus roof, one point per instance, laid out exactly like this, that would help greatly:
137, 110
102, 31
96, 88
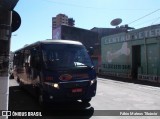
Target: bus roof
51, 41
61, 42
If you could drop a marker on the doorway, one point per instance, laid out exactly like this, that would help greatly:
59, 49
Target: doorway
136, 60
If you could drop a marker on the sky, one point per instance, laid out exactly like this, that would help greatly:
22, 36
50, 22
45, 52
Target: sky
36, 16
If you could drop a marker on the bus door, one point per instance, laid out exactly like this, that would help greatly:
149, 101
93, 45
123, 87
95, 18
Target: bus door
33, 67
18, 65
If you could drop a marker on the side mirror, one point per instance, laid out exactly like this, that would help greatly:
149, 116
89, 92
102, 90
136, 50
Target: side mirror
91, 51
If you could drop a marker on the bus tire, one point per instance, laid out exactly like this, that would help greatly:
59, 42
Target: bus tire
11, 76
86, 100
18, 80
41, 99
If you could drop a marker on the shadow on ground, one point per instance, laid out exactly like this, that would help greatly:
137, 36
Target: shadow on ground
21, 101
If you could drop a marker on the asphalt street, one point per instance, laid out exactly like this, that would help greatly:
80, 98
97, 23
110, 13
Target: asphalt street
111, 95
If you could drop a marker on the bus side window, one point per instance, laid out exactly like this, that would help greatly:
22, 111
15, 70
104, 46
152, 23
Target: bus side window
18, 59
27, 64
35, 59
34, 63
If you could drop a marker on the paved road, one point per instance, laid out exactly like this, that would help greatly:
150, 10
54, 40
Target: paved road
111, 95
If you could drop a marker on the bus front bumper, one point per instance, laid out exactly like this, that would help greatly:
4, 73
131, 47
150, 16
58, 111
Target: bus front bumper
69, 91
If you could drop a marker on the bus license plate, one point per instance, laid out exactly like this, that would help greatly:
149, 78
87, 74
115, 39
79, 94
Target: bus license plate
76, 90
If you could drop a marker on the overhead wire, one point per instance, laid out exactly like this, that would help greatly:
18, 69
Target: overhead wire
72, 5
143, 17
156, 20
82, 6
148, 21
92, 7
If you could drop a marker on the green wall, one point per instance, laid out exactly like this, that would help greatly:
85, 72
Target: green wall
117, 53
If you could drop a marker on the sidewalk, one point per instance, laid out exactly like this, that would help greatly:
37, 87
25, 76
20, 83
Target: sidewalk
136, 81
13, 82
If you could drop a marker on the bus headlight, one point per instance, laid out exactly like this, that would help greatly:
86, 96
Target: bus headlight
93, 81
55, 85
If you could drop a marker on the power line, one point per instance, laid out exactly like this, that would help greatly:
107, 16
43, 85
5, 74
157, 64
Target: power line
72, 5
88, 7
144, 16
156, 20
148, 21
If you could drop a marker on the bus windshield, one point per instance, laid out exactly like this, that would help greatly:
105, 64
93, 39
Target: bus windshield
65, 56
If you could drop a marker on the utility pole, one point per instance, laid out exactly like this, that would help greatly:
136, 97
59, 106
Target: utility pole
6, 9
5, 33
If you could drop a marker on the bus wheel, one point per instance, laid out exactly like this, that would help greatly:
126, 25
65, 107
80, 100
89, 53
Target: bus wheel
11, 76
86, 100
40, 99
18, 80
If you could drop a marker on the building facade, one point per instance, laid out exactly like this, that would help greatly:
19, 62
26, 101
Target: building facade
61, 19
134, 54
